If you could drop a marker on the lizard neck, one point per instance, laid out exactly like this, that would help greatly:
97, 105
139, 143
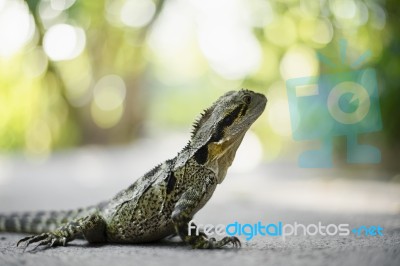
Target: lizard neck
220, 163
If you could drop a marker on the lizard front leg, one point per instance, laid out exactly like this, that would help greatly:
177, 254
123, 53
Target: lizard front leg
91, 226
181, 216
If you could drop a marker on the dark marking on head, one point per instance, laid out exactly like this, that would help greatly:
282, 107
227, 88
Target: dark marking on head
218, 135
226, 122
230, 118
201, 155
171, 180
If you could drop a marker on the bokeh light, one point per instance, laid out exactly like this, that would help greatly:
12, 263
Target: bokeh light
227, 40
61, 4
233, 53
137, 13
35, 63
78, 79
182, 49
64, 42
38, 139
49, 15
16, 27
299, 61
89, 69
109, 92
282, 31
109, 95
277, 113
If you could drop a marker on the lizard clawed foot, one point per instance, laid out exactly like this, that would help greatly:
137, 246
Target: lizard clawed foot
45, 239
235, 242
224, 241
212, 243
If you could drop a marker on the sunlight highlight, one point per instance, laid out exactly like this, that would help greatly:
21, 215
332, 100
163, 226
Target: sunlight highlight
232, 52
108, 104
137, 13
226, 38
64, 42
16, 27
279, 117
299, 61
62, 4
109, 92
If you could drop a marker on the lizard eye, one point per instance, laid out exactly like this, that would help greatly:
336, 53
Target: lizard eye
247, 99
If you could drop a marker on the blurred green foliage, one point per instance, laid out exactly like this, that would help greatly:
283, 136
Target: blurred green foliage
74, 72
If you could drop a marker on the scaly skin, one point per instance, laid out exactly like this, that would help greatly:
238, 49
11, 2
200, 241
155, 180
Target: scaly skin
163, 201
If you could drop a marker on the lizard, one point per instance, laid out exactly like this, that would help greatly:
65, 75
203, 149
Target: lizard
161, 202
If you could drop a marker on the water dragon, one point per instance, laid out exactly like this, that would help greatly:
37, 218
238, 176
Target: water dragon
161, 202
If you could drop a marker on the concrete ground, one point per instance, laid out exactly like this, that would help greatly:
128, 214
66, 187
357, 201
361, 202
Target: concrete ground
300, 250
268, 193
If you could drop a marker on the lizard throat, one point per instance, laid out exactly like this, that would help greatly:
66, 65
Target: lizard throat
221, 157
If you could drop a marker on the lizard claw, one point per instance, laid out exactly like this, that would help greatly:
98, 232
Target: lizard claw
45, 239
213, 243
235, 242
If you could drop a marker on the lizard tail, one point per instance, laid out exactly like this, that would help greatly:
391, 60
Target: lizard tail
39, 222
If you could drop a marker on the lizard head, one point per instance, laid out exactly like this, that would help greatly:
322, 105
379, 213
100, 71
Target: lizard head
221, 128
